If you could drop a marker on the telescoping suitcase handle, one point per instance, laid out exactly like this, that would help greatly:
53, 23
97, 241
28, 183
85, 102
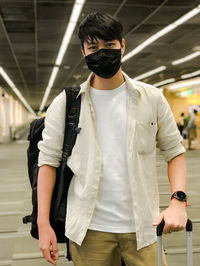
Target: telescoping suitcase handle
189, 242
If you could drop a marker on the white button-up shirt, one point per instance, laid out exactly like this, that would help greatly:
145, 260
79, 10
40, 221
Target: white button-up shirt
150, 123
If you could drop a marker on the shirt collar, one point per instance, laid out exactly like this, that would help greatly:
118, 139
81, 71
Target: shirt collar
85, 85
130, 82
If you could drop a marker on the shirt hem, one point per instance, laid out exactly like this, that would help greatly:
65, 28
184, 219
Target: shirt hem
146, 243
111, 229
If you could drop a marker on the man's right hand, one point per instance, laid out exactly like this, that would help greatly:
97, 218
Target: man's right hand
48, 243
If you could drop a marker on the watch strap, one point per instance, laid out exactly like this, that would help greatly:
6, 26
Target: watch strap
176, 196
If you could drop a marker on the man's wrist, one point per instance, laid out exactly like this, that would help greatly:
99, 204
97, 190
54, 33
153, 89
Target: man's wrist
44, 222
175, 202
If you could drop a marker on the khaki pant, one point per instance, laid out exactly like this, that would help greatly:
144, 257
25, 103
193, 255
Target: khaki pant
107, 249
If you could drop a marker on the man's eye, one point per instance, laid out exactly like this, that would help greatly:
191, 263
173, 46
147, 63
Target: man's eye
92, 47
110, 44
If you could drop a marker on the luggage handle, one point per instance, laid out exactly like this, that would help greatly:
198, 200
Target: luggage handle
159, 232
160, 227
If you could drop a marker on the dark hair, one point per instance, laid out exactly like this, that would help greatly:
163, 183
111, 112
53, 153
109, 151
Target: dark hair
100, 25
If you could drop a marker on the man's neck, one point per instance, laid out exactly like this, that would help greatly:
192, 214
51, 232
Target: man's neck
108, 84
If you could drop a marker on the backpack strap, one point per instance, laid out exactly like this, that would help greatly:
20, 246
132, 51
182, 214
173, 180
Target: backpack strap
72, 118
71, 130
73, 105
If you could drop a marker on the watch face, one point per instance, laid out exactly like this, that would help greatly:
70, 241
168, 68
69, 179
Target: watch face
181, 194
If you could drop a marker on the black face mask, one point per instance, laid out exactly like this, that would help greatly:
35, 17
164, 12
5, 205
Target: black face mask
104, 63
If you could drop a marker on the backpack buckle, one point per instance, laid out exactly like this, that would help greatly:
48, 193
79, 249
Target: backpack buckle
75, 128
27, 219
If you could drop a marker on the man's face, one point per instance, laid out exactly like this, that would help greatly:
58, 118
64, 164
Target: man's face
90, 46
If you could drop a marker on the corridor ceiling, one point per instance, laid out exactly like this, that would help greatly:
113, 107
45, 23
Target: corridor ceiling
31, 33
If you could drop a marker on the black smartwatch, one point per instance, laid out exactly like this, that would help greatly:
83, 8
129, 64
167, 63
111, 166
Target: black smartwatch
180, 195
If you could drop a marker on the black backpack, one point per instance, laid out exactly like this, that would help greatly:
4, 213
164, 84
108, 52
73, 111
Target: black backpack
63, 172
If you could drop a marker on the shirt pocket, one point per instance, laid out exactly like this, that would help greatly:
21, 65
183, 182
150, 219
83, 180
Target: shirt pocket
146, 137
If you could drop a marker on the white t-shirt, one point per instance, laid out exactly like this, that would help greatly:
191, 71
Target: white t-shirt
113, 211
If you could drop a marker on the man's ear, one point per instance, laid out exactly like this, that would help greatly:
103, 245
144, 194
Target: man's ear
82, 51
123, 46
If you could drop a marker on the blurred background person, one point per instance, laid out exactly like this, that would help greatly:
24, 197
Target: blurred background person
182, 123
191, 128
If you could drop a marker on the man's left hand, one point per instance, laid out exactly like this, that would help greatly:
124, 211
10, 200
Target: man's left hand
175, 217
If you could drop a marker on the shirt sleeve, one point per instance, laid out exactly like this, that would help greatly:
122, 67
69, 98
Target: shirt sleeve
169, 140
53, 134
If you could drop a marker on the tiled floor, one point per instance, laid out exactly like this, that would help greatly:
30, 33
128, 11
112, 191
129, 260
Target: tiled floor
19, 249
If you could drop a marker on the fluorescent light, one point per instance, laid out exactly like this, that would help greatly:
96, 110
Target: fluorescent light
162, 32
65, 42
6, 77
184, 84
165, 30
166, 81
80, 2
50, 84
77, 7
188, 16
76, 12
190, 75
186, 58
150, 73
16, 91
47, 91
69, 30
184, 94
53, 76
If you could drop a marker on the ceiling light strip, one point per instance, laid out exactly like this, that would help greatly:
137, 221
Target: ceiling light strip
77, 7
186, 58
184, 84
16, 91
190, 75
150, 73
166, 81
162, 32
48, 89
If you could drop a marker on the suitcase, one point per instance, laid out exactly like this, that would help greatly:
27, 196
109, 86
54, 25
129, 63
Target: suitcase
189, 242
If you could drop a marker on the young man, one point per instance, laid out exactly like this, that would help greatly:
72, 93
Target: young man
113, 201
